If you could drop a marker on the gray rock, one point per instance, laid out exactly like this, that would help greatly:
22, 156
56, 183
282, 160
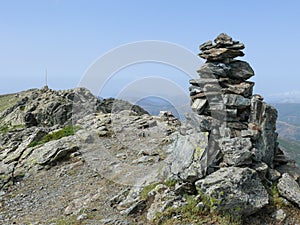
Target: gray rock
289, 189
261, 168
195, 90
200, 122
206, 45
234, 190
82, 217
223, 40
199, 105
220, 54
263, 118
213, 70
190, 158
236, 101
163, 198
52, 151
279, 215
244, 88
273, 175
237, 151
203, 81
240, 70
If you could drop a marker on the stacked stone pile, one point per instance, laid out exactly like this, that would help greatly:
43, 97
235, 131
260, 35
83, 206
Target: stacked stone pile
223, 98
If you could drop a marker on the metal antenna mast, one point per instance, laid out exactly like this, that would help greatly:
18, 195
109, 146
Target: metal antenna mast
46, 80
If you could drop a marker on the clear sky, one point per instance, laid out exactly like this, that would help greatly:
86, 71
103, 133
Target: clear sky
66, 36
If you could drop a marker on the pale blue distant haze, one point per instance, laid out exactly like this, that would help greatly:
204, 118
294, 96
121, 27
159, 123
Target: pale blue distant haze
66, 36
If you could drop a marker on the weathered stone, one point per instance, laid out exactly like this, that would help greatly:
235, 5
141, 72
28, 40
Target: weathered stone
163, 198
195, 90
199, 95
279, 215
206, 45
250, 133
18, 153
291, 169
190, 156
223, 40
245, 88
289, 188
224, 115
198, 105
237, 151
211, 88
261, 168
213, 70
184, 188
263, 117
273, 175
236, 101
237, 191
220, 54
202, 82
201, 123
53, 151
237, 125
240, 70
237, 46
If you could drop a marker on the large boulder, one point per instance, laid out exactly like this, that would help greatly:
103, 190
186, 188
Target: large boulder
190, 156
235, 190
237, 151
289, 188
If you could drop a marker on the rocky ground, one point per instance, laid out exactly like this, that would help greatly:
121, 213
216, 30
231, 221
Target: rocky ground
68, 157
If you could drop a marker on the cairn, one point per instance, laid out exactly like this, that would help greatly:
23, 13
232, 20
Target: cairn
227, 109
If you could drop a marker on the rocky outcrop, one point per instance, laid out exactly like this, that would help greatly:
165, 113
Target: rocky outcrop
46, 107
234, 190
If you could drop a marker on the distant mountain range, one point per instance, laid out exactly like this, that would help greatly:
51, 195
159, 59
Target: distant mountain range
286, 97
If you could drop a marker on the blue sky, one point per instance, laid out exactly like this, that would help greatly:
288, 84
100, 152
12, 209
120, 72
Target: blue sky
66, 36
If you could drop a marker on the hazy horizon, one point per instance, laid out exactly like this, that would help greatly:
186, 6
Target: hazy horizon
66, 37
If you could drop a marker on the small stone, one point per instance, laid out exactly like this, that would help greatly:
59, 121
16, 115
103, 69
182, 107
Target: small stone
223, 40
198, 105
82, 217
206, 45
273, 175
279, 215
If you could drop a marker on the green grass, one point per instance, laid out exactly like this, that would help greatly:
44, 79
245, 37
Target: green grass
5, 129
147, 189
64, 132
7, 101
191, 214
